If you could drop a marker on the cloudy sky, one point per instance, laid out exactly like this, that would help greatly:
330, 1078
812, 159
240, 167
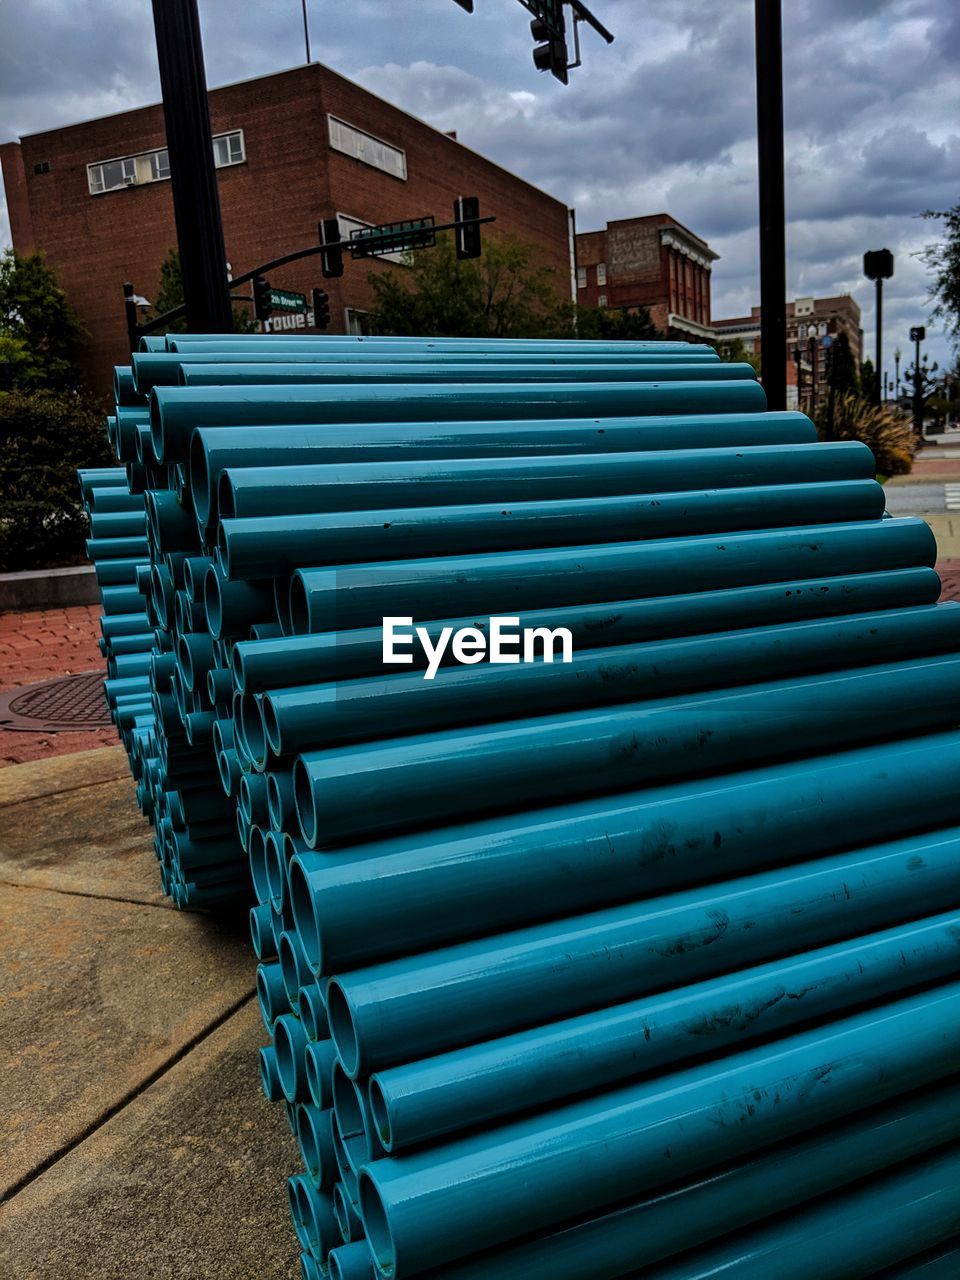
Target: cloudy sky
664, 119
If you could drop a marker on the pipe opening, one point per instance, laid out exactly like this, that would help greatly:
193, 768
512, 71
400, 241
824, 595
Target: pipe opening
343, 1164
156, 423
380, 1113
303, 906
199, 480
309, 1267
269, 1079
226, 502
256, 853
288, 1050
298, 607
342, 1028
223, 551
319, 1059
289, 966
308, 1140
296, 1214
303, 799
377, 1225
274, 798
276, 865
251, 724
213, 601
271, 729
343, 1212
281, 604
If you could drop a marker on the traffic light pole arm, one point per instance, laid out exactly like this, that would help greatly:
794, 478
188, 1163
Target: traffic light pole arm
135, 330
343, 244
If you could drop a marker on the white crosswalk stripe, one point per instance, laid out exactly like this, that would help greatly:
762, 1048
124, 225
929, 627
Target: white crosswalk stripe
951, 494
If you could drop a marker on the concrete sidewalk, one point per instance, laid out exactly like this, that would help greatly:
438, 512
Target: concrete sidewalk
134, 1136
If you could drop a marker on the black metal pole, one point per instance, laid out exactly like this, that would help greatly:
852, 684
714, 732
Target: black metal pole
130, 311
193, 175
773, 267
917, 397
879, 361
306, 29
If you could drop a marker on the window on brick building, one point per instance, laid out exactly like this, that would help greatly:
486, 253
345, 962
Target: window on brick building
357, 322
154, 166
601, 273
581, 277
602, 300
366, 148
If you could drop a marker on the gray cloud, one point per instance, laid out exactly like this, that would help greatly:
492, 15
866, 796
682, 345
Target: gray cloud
662, 119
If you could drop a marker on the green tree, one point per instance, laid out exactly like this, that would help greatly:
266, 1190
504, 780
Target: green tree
40, 333
170, 295
506, 293
868, 380
843, 366
942, 258
613, 324
736, 350
44, 437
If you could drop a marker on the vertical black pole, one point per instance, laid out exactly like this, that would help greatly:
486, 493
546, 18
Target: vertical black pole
917, 397
878, 397
773, 268
193, 175
130, 311
306, 30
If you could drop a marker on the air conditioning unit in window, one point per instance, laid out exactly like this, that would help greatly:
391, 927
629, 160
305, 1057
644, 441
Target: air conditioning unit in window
129, 181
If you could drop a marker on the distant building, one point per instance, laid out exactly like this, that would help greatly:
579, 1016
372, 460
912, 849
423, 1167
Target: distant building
809, 321
291, 149
652, 262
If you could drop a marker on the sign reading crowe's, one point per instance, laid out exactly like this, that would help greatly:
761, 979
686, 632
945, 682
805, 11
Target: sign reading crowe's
285, 300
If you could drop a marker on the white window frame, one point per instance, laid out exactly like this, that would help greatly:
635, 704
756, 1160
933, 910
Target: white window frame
601, 273
602, 300
581, 277
366, 147
350, 324
141, 169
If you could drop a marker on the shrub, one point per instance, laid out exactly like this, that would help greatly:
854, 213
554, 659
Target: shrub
44, 437
889, 435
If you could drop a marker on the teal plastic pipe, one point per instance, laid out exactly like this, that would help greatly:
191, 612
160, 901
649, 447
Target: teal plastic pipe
484, 1083
334, 443
315, 1139
255, 547
442, 586
432, 777
91, 478
115, 498
280, 491
106, 525
430, 1208
277, 663
608, 1246
231, 607
351, 1262
175, 412
348, 373
869, 1227
152, 369
400, 1011
356, 342
344, 711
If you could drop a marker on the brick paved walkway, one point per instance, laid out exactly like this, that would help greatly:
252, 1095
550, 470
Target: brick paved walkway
42, 646
60, 642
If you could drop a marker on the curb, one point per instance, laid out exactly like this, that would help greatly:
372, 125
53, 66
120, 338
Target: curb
48, 589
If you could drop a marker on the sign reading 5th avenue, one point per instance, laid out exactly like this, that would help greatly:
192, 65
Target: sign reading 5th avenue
284, 300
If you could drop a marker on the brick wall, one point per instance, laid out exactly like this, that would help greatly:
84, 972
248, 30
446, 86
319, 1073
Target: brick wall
271, 204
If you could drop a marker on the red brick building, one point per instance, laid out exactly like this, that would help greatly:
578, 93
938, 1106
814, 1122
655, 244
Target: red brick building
653, 262
291, 149
809, 322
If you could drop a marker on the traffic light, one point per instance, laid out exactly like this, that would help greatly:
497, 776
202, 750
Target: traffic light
262, 306
550, 41
467, 238
331, 259
321, 309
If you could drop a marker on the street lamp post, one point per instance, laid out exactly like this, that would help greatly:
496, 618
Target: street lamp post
896, 363
917, 334
773, 267
878, 266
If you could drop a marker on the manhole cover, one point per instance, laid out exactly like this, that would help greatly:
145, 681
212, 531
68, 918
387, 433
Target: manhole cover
57, 706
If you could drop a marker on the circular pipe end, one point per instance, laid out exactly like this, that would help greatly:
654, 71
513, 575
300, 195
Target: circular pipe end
343, 1029
376, 1223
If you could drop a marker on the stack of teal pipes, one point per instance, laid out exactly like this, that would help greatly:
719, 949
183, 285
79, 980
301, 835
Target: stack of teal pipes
585, 738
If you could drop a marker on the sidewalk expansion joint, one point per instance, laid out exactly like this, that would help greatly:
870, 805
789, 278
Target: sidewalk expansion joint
80, 893
64, 1150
